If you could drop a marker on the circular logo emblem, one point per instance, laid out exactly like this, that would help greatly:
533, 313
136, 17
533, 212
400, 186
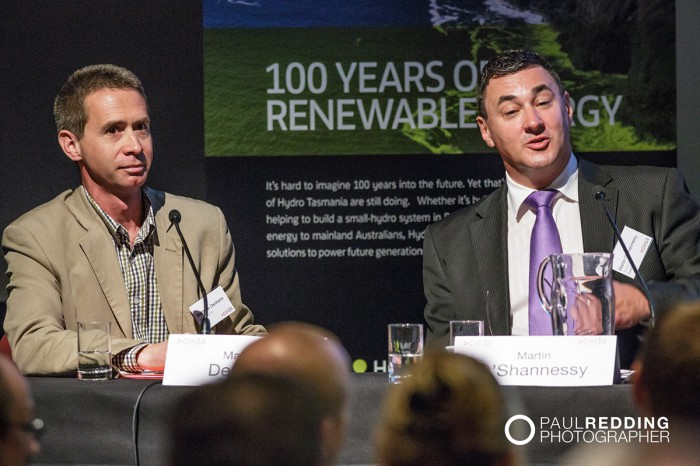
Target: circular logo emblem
519, 417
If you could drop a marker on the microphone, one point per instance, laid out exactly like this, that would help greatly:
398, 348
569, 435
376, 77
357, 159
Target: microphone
600, 197
175, 219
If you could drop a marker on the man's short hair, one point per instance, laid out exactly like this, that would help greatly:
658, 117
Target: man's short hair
671, 364
507, 63
69, 105
248, 420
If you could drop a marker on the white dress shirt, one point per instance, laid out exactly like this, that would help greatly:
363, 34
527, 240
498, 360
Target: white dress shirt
521, 219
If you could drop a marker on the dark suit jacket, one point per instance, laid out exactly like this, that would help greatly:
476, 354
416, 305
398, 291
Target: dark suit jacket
63, 269
466, 254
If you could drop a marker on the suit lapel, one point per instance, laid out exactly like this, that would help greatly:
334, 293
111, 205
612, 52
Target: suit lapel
98, 247
169, 259
597, 233
492, 260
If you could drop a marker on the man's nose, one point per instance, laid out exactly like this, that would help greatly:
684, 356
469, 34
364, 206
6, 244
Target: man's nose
533, 122
132, 143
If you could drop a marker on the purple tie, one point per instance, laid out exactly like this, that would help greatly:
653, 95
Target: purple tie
543, 242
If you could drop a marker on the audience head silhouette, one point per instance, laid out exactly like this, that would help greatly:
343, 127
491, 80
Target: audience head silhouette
248, 420
668, 377
18, 442
315, 357
450, 411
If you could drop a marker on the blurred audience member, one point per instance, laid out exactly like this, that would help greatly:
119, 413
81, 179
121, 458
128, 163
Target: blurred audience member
667, 384
18, 428
315, 357
666, 390
451, 411
248, 420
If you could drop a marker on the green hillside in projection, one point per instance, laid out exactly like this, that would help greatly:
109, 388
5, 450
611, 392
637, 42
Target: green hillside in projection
334, 91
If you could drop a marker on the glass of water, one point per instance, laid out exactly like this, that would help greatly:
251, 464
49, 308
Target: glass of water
405, 348
466, 328
94, 351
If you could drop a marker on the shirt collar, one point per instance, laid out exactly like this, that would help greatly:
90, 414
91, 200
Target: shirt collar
115, 229
566, 183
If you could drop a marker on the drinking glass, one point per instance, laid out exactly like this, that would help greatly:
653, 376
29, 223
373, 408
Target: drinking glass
405, 348
94, 351
465, 328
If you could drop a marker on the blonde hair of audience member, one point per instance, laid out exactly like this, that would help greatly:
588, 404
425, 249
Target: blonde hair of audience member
314, 356
17, 444
450, 411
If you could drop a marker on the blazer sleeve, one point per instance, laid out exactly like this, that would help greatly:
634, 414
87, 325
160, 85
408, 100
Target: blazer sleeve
678, 241
41, 322
34, 322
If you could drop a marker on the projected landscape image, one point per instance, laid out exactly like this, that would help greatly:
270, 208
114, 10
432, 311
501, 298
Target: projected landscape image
398, 77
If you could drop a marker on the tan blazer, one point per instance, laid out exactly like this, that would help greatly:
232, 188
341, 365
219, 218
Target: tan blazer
63, 268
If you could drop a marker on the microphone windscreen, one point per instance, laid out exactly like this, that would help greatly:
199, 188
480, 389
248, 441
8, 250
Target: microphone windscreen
174, 216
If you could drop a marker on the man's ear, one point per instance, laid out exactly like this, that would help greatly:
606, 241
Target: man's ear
484, 129
70, 144
569, 107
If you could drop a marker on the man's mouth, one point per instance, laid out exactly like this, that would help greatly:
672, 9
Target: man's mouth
538, 143
134, 169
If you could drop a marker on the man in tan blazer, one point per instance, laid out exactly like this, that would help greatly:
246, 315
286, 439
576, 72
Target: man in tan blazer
104, 251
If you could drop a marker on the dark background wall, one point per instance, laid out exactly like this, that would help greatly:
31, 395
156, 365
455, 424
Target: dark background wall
688, 88
43, 41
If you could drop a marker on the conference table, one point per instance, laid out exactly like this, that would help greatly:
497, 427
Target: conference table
121, 421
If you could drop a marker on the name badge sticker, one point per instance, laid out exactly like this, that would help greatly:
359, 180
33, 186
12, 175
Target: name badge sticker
638, 245
220, 307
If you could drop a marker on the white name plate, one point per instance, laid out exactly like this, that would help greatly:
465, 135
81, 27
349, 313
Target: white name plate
555, 361
201, 359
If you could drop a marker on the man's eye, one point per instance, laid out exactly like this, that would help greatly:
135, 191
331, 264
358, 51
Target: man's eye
112, 130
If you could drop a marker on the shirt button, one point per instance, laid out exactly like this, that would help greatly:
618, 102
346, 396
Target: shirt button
137, 300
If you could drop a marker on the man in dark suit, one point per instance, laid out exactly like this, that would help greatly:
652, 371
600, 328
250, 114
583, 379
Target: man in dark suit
476, 260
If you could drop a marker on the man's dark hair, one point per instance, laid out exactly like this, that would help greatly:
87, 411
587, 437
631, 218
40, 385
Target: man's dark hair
248, 420
507, 63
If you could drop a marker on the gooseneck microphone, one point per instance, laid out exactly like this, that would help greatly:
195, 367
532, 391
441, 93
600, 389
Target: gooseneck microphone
175, 218
600, 197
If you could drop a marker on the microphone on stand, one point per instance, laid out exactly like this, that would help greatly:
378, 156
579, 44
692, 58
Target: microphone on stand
600, 197
175, 218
